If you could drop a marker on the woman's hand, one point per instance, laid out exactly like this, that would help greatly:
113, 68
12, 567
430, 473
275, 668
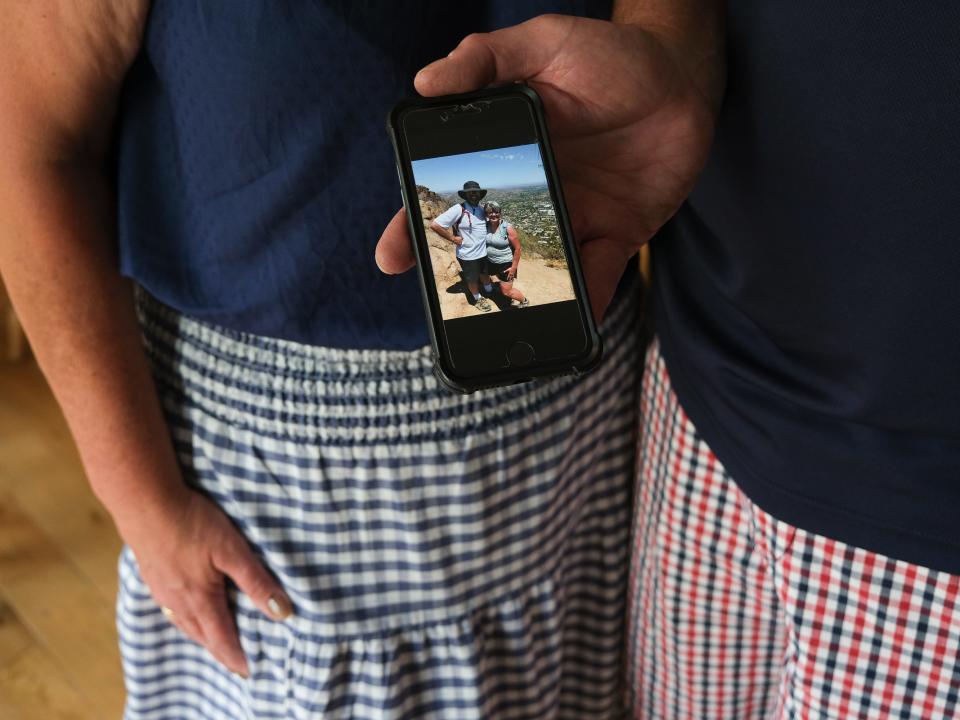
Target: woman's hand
185, 555
630, 117
57, 121
511, 273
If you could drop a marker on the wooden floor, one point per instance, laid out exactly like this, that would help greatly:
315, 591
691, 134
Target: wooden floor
58, 561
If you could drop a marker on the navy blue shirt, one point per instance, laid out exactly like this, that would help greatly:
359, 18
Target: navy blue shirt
254, 172
808, 294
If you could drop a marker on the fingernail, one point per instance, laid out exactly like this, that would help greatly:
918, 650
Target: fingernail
279, 607
244, 675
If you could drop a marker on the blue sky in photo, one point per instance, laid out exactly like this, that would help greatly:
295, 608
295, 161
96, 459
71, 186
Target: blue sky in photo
498, 168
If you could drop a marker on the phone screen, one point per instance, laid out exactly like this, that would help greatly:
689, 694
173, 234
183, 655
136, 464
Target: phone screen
496, 233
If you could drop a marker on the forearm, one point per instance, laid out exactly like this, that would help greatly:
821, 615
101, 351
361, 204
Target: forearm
694, 31
443, 232
58, 261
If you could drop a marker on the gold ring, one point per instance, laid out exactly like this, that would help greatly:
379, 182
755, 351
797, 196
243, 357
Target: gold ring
166, 611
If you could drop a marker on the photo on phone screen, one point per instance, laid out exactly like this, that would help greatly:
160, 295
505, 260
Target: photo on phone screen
501, 279
511, 254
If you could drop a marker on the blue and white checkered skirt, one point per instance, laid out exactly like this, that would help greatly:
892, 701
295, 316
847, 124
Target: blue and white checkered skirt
447, 556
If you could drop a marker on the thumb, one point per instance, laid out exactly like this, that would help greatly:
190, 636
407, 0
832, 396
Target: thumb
515, 53
242, 565
394, 252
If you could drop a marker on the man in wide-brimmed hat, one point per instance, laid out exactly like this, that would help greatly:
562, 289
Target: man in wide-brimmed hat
465, 225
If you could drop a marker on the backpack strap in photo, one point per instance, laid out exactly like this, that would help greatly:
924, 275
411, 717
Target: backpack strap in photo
456, 225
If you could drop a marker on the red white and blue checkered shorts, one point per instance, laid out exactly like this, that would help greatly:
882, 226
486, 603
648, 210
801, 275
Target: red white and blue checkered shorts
735, 614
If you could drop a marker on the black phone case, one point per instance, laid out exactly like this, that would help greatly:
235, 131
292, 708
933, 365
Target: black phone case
443, 368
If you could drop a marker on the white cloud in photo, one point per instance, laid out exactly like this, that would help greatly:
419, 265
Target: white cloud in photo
504, 156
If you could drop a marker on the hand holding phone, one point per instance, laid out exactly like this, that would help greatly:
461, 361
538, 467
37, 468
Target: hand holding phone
631, 116
498, 135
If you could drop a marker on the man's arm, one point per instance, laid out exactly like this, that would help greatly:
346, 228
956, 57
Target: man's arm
445, 233
449, 216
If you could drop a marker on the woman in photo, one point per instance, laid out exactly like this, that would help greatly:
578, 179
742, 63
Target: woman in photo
503, 252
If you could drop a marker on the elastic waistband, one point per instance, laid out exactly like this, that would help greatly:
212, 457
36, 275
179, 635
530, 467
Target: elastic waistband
289, 390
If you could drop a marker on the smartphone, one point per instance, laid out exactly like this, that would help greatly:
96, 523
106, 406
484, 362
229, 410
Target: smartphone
471, 167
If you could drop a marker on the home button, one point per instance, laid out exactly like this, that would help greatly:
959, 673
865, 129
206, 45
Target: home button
520, 354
